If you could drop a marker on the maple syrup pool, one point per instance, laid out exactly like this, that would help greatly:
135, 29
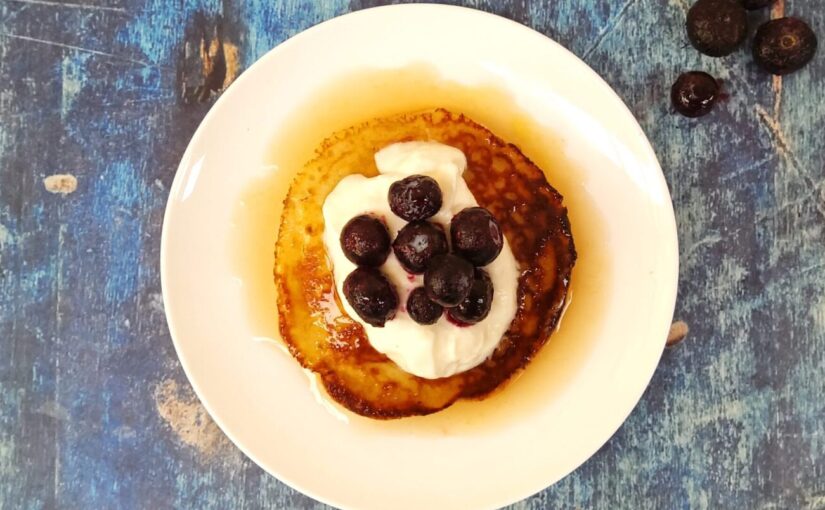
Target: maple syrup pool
366, 95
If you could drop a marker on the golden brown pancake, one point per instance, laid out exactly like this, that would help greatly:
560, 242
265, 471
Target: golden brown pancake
324, 339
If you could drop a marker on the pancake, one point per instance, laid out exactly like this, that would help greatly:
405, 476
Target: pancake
324, 339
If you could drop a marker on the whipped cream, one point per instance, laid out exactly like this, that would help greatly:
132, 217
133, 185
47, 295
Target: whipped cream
441, 349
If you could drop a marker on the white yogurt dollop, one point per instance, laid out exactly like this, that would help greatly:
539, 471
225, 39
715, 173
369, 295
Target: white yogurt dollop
441, 349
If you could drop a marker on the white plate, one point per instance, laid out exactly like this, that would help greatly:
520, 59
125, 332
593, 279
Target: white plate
260, 397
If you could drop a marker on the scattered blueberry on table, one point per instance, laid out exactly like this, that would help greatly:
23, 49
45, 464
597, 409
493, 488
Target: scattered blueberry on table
785, 45
694, 93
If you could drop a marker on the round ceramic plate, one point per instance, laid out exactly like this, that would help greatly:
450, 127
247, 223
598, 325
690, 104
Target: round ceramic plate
259, 395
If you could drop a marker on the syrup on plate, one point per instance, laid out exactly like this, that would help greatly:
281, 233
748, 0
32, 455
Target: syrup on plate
359, 97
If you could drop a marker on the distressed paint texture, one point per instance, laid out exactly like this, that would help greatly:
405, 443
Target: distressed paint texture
95, 411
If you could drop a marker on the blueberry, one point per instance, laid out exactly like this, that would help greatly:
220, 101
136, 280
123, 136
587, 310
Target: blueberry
417, 243
414, 198
785, 45
371, 295
694, 94
448, 279
476, 235
476, 306
752, 5
717, 27
365, 241
421, 308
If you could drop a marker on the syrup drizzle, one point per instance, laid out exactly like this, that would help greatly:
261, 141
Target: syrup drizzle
355, 98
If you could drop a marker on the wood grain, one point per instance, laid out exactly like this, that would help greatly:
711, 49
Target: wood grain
95, 411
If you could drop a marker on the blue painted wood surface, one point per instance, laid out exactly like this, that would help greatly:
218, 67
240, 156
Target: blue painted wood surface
94, 409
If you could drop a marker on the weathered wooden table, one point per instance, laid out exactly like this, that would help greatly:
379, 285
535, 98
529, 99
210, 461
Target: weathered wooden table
95, 411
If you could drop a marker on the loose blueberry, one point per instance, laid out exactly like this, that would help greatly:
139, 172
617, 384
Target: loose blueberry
371, 295
717, 27
785, 45
476, 306
694, 94
752, 5
421, 308
448, 279
414, 198
476, 235
365, 241
417, 243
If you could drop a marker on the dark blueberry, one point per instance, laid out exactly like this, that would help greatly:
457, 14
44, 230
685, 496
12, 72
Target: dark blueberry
784, 45
421, 308
365, 241
371, 295
752, 5
448, 279
476, 235
414, 198
417, 243
476, 305
717, 27
694, 94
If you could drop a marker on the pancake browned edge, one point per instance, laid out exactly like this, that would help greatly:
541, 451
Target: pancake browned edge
324, 339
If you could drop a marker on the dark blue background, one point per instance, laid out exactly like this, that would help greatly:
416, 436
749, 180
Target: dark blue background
95, 410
